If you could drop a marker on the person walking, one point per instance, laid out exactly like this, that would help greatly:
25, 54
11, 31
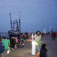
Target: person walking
6, 43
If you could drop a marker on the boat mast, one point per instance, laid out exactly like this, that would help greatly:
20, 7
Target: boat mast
10, 20
19, 22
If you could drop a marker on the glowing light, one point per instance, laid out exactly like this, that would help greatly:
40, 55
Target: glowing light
33, 46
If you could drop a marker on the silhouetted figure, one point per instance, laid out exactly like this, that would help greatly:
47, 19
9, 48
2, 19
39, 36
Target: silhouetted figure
12, 42
43, 51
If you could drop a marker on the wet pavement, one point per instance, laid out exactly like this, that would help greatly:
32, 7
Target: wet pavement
26, 51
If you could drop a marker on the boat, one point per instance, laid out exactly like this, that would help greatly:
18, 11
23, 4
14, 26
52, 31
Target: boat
14, 32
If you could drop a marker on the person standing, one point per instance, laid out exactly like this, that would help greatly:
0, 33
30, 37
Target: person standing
37, 40
12, 42
43, 51
53, 35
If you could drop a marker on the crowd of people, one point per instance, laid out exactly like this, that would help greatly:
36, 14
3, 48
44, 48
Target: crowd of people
12, 43
16, 42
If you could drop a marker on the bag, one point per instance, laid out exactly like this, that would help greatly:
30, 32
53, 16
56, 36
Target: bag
38, 54
37, 43
15, 46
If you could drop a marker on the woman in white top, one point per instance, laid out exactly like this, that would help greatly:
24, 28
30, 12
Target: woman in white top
37, 40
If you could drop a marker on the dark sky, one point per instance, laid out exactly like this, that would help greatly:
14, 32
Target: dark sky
35, 14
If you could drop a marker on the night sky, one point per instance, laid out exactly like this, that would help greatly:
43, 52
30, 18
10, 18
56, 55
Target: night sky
35, 14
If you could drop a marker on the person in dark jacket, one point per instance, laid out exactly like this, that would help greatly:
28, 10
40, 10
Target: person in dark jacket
2, 48
43, 51
12, 42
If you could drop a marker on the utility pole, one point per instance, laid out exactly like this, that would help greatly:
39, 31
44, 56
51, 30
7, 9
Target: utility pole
17, 28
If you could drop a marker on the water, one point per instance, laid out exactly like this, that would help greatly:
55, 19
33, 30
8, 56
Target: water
3, 35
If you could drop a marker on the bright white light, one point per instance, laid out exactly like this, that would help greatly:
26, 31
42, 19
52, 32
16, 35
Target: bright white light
33, 46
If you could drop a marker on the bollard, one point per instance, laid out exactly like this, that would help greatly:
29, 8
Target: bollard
33, 46
38, 54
